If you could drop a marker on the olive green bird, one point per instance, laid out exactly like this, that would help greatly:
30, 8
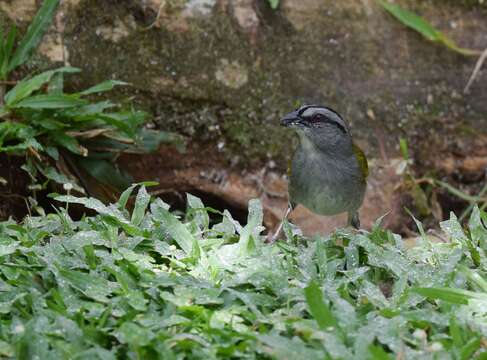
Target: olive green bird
328, 173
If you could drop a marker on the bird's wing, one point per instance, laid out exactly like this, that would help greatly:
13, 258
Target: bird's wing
362, 160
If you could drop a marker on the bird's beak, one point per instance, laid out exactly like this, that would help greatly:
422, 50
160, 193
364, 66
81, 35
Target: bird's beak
291, 120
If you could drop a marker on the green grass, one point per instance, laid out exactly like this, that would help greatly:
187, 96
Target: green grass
66, 137
153, 284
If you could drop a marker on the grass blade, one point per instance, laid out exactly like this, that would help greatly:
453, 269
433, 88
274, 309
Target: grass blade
378, 353
455, 296
423, 27
34, 34
474, 277
69, 143
50, 101
470, 348
26, 87
318, 309
141, 203
6, 48
124, 198
176, 229
455, 333
102, 87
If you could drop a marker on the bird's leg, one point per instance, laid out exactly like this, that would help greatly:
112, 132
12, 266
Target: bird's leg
290, 207
353, 220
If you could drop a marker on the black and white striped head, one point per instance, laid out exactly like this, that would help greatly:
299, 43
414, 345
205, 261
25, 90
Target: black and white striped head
320, 124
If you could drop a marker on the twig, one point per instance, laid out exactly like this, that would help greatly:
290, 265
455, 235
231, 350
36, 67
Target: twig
119, 139
8, 82
88, 134
472, 204
476, 71
159, 12
31, 150
259, 180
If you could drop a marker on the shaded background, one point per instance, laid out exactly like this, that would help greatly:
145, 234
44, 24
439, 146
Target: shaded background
221, 72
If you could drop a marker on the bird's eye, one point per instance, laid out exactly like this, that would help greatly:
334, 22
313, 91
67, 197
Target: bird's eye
317, 118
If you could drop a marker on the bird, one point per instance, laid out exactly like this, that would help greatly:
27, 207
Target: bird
328, 172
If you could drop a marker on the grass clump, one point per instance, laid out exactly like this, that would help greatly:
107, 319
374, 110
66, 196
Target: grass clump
65, 137
150, 284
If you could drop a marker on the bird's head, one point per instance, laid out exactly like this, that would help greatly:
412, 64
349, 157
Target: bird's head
322, 126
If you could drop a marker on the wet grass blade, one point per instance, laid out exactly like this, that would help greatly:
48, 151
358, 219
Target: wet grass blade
455, 296
319, 310
6, 47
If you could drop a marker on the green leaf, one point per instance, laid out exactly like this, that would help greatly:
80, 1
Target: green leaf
52, 174
423, 27
470, 348
105, 172
34, 34
273, 3
455, 332
91, 285
317, 307
175, 229
6, 51
249, 236
150, 140
403, 145
87, 112
141, 203
56, 85
2, 54
26, 87
49, 101
280, 347
3, 111
451, 295
458, 193
124, 197
127, 122
110, 213
133, 334
378, 353
474, 277
122, 202
69, 143
198, 211
104, 86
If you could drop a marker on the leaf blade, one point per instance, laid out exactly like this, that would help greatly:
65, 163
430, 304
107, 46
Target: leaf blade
318, 309
34, 34
50, 101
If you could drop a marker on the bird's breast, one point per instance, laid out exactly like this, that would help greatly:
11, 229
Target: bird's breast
324, 184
